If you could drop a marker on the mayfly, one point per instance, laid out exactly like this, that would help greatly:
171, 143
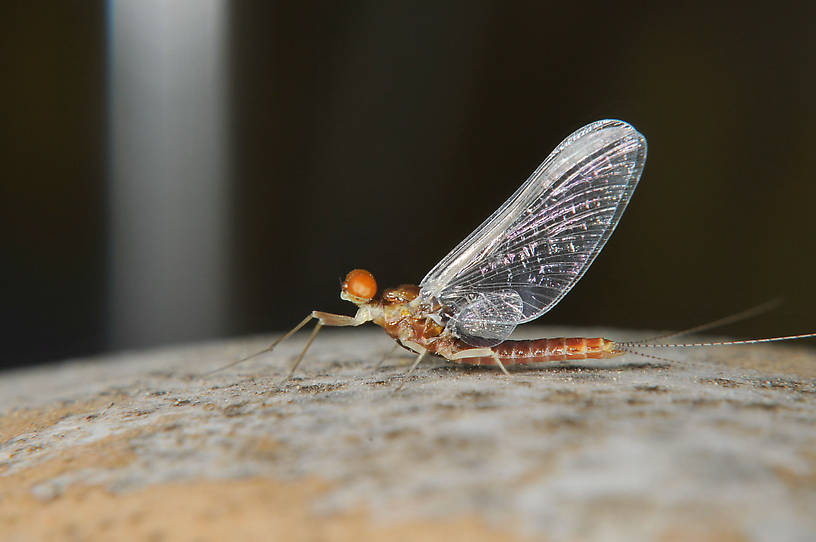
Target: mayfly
514, 267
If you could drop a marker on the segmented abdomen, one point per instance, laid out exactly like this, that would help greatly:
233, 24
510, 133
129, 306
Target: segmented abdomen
544, 350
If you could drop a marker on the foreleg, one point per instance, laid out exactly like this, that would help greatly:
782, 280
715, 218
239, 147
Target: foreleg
323, 319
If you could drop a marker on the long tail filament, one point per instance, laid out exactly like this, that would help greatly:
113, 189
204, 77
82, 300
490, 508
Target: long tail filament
639, 344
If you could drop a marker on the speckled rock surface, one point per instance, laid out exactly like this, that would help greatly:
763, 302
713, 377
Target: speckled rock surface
717, 445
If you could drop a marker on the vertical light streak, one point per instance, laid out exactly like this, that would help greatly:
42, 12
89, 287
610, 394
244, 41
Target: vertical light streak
167, 195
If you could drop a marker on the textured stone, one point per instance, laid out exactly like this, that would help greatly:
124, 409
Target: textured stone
717, 444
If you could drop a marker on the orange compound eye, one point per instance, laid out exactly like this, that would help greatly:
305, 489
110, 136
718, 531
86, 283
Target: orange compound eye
360, 283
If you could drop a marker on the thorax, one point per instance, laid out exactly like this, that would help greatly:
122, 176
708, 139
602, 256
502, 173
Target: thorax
407, 318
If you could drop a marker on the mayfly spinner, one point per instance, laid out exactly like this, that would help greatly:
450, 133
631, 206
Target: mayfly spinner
516, 266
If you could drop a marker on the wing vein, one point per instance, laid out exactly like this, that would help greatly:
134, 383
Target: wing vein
524, 258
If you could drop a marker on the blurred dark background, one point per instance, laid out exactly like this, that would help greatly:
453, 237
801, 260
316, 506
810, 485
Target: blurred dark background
189, 170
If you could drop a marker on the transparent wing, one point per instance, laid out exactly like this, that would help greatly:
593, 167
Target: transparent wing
488, 318
523, 259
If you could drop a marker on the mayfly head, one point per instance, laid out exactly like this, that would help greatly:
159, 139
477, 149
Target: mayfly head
359, 287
